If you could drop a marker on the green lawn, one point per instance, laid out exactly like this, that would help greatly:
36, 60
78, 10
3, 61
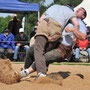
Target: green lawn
72, 63
62, 63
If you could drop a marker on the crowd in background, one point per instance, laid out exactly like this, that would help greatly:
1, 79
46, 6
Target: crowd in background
13, 39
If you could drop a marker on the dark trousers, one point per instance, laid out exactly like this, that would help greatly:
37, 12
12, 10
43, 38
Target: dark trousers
5, 53
49, 56
40, 48
29, 58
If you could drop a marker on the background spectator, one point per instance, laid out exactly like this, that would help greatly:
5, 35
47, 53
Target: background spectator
7, 44
83, 46
14, 25
21, 42
33, 32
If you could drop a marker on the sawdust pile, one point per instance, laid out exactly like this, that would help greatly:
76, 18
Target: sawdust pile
7, 73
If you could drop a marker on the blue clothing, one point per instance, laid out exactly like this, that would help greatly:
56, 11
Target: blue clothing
16, 51
78, 51
4, 41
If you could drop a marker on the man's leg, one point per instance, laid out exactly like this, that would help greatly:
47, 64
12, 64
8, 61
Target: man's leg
16, 52
26, 48
2, 50
77, 51
50, 57
29, 58
53, 56
39, 51
88, 51
8, 52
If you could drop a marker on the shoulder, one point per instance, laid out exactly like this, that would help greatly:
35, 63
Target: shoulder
18, 20
25, 35
2, 34
11, 20
56, 6
81, 22
16, 36
11, 34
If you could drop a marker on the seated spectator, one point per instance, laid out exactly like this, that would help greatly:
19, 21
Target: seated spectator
83, 46
21, 42
7, 44
33, 32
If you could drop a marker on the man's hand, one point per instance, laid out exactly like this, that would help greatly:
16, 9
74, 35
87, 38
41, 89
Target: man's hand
69, 29
80, 48
25, 45
84, 49
13, 51
18, 44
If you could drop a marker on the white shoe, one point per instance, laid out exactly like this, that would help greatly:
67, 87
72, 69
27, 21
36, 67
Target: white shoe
24, 72
40, 74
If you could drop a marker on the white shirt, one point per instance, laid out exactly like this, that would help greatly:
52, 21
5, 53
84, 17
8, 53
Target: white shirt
69, 36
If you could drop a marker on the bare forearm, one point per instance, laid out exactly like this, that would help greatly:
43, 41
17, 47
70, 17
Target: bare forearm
78, 35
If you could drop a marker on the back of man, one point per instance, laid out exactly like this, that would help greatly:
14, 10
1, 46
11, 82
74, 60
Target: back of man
56, 18
61, 14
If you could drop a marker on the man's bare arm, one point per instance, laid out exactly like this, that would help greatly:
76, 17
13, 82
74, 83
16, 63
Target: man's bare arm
41, 18
78, 35
75, 23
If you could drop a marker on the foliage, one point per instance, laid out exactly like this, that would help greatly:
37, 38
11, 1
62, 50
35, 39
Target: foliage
32, 1
4, 23
73, 2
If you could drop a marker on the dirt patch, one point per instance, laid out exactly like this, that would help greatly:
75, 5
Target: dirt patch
72, 77
7, 74
51, 78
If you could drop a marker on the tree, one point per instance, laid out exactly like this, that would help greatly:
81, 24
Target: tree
4, 23
73, 2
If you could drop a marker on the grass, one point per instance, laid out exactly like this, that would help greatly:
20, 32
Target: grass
62, 63
18, 62
72, 63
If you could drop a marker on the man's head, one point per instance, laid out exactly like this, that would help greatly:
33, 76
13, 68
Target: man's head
88, 30
15, 17
81, 13
21, 31
6, 32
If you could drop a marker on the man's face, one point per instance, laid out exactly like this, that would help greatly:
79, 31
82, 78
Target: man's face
21, 33
80, 13
6, 33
